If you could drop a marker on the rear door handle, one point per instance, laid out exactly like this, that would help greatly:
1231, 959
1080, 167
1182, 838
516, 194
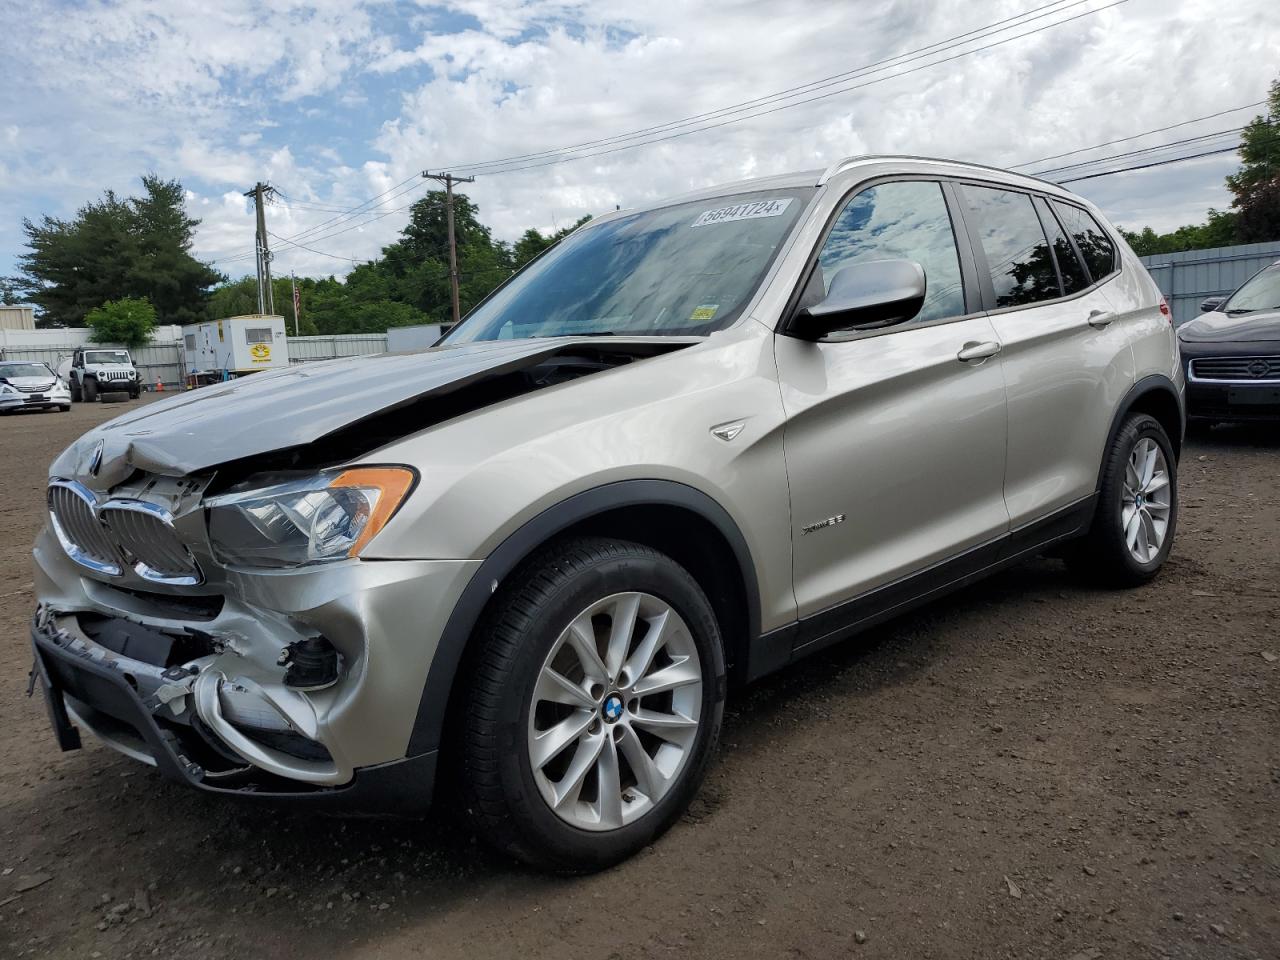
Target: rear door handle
1100, 318
974, 352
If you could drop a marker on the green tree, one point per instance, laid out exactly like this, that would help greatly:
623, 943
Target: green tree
117, 248
238, 298
1219, 231
533, 242
129, 321
1256, 185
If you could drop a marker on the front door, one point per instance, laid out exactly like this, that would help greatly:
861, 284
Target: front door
895, 446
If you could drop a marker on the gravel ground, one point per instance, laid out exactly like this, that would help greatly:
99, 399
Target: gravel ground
1027, 769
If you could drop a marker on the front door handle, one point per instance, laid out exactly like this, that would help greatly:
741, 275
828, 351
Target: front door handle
1100, 318
974, 352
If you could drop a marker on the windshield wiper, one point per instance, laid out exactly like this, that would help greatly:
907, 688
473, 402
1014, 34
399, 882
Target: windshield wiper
1238, 310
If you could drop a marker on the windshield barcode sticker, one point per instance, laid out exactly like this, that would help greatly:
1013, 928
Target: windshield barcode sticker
744, 211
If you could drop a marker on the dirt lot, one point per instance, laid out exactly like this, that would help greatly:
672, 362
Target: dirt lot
1028, 769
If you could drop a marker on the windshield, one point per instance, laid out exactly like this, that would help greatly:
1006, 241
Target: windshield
1260, 292
683, 270
106, 356
24, 369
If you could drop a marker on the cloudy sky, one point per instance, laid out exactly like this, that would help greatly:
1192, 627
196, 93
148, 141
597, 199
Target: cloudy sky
338, 101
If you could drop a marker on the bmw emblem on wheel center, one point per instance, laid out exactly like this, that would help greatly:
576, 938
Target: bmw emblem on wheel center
612, 707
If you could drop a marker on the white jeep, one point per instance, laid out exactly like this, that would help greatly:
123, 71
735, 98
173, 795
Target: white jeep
91, 371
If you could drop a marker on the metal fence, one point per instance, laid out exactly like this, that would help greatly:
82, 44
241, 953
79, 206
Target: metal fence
165, 362
303, 349
1187, 278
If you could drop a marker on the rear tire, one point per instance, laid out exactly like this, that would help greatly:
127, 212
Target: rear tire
90, 388
595, 799
1137, 513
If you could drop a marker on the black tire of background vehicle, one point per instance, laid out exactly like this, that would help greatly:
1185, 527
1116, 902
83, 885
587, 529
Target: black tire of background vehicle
90, 387
135, 392
1102, 556
499, 793
65, 408
114, 396
77, 396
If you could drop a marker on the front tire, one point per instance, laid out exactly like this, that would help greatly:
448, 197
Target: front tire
1137, 514
594, 706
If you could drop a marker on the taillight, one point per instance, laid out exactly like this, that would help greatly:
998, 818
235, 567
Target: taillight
1164, 308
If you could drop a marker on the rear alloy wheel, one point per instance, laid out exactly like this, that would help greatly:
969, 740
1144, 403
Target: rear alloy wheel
594, 706
1137, 513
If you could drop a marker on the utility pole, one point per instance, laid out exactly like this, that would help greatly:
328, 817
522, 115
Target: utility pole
448, 179
266, 300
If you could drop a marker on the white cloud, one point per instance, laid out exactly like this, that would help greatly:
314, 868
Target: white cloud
335, 101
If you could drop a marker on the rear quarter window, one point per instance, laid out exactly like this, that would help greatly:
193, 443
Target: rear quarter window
1095, 245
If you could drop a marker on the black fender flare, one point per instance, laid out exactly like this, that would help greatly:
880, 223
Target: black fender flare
428, 724
1154, 383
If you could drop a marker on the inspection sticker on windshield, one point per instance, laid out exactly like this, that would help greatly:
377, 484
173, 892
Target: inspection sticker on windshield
744, 211
704, 311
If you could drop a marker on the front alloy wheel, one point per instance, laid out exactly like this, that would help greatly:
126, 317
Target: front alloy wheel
595, 698
614, 714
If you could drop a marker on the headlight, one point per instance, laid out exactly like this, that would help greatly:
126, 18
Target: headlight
312, 519
6, 389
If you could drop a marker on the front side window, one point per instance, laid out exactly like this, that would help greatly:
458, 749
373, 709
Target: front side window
1095, 246
687, 269
900, 221
1016, 248
1259, 292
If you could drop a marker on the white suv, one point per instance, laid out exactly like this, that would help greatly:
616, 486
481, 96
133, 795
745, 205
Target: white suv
684, 447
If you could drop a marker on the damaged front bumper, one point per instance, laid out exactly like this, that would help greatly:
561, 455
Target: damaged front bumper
205, 699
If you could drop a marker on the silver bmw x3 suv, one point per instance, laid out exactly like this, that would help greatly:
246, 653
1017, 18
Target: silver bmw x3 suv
684, 447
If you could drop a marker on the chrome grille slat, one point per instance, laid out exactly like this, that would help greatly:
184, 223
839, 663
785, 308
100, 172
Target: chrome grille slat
82, 535
1241, 369
101, 536
150, 539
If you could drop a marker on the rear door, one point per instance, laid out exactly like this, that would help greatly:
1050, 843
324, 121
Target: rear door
894, 445
1066, 361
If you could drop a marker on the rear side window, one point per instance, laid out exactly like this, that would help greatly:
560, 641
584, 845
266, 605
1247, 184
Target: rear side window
1074, 277
1095, 246
907, 221
1016, 248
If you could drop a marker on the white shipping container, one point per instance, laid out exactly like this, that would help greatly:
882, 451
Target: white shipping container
236, 345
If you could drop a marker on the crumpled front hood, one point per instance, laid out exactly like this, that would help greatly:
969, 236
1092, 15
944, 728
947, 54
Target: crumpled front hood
273, 410
1220, 327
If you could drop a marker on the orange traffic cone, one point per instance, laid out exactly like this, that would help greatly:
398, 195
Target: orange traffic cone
159, 385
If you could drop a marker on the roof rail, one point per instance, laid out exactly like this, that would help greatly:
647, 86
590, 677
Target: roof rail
841, 165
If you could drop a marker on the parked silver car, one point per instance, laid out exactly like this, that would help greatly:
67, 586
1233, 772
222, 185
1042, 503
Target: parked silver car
684, 447
31, 385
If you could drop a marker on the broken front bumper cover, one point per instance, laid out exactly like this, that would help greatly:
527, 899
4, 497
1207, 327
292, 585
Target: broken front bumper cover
137, 708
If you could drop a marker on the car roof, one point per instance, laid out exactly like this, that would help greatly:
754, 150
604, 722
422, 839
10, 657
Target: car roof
851, 170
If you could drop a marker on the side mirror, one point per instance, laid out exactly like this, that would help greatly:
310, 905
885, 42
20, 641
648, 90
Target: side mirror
1209, 304
864, 296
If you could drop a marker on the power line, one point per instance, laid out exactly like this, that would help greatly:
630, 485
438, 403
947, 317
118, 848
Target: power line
1157, 163
813, 99
1145, 133
1136, 153
789, 92
941, 46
